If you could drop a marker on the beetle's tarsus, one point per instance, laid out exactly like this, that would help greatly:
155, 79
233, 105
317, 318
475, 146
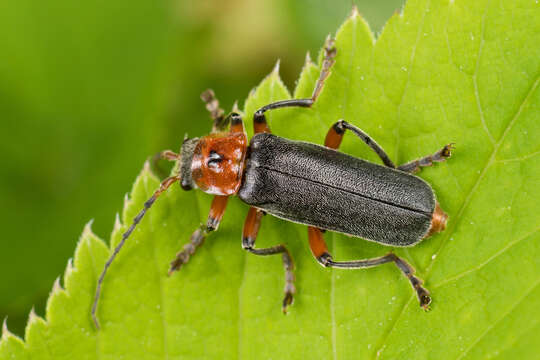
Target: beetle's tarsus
425, 300
216, 113
330, 52
287, 300
446, 151
176, 264
422, 293
96, 322
440, 156
196, 240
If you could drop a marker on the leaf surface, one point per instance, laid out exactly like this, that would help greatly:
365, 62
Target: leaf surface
440, 72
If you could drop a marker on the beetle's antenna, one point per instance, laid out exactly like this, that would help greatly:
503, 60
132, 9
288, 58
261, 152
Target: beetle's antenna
162, 187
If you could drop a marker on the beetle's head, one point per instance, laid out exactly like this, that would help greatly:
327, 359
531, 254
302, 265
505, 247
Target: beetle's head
213, 163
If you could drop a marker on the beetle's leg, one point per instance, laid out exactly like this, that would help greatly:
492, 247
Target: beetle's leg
329, 55
259, 119
216, 113
237, 125
439, 156
165, 155
336, 132
320, 251
217, 209
249, 235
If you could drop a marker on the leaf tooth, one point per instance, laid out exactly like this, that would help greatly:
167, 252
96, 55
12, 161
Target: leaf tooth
69, 270
5, 331
87, 231
4, 327
85, 238
354, 11
146, 166
32, 319
117, 223
57, 288
275, 70
308, 60
32, 316
127, 201
118, 228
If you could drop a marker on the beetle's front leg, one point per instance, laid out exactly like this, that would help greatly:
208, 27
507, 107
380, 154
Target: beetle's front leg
320, 252
216, 113
217, 209
249, 235
439, 156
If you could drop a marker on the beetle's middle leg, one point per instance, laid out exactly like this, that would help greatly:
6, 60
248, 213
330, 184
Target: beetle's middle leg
249, 235
320, 252
335, 136
439, 156
217, 209
259, 119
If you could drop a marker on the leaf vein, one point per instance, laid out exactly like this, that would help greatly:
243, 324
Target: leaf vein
475, 78
521, 158
410, 65
486, 262
489, 328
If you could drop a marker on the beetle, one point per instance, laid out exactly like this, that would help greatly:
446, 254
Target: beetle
305, 183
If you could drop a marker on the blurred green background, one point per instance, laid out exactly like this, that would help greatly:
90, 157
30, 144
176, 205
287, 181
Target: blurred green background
89, 90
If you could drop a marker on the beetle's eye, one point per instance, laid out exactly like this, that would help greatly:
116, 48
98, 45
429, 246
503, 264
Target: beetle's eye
214, 159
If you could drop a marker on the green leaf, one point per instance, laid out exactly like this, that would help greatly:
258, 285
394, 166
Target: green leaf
440, 72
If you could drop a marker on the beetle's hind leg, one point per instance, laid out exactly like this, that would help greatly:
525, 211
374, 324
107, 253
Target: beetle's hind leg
259, 119
249, 235
320, 252
415, 165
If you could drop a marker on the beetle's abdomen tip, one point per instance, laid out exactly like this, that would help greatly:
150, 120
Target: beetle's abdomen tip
438, 221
